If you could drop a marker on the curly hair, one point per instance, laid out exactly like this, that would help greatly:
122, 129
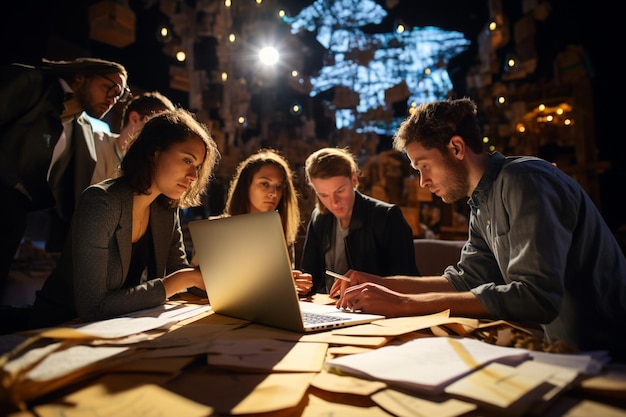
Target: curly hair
433, 124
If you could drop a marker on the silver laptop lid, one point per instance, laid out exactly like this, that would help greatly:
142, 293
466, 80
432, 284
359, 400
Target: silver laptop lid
246, 268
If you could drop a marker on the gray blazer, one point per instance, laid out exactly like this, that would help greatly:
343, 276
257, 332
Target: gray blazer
88, 281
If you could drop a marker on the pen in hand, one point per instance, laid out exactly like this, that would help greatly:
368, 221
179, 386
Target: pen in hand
336, 275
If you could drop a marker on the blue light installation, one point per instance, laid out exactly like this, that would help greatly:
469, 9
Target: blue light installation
371, 71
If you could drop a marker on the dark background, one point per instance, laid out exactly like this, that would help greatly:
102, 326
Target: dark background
60, 29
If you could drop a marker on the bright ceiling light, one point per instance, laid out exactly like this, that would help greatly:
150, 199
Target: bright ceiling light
268, 55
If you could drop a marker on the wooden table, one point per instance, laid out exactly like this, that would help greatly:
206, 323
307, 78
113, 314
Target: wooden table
169, 372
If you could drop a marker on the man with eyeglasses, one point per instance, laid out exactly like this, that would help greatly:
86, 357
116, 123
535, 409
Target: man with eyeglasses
47, 150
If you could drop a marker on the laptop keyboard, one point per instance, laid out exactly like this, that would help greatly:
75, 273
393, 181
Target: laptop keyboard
314, 318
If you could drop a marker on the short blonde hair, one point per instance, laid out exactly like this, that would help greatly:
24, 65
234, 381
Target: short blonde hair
327, 163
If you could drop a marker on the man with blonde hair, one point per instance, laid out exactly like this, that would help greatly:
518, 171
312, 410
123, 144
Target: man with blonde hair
349, 230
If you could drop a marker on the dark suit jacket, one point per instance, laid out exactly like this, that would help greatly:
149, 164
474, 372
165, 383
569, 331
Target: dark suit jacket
379, 241
31, 104
88, 281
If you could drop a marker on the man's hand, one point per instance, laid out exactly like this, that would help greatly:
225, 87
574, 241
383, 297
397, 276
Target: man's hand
373, 298
356, 277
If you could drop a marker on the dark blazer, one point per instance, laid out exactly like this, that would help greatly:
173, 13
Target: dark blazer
379, 241
31, 104
89, 278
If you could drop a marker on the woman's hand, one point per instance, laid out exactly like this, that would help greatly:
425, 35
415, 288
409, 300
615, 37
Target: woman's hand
303, 281
181, 280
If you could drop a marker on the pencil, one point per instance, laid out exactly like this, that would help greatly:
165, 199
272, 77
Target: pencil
336, 275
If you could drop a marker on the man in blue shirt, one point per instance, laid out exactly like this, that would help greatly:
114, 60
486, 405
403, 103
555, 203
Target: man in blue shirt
538, 252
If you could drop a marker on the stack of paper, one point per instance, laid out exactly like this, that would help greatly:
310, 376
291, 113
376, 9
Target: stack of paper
426, 364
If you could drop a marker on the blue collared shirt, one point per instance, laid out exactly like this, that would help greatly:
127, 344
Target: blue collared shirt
539, 252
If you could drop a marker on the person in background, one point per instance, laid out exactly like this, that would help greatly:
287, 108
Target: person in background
110, 148
264, 182
349, 230
126, 250
538, 251
47, 151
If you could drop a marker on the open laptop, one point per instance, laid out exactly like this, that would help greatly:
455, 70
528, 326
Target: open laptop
247, 273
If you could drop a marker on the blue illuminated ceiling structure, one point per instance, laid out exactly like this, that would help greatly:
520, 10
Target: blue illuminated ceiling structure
371, 73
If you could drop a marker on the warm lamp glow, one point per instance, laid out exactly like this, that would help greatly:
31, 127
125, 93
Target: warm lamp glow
296, 108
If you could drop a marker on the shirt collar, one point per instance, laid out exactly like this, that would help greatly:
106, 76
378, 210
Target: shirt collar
496, 159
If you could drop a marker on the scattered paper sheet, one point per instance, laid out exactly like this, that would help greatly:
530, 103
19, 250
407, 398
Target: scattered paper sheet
500, 386
346, 384
71, 359
267, 355
588, 408
427, 364
317, 406
234, 393
137, 322
404, 405
590, 363
395, 326
144, 400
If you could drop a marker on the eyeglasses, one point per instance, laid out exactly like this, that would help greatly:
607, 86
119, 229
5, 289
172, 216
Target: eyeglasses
116, 91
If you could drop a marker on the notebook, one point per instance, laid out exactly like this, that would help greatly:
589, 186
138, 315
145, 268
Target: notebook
247, 273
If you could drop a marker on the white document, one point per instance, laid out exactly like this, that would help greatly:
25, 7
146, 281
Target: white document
140, 321
426, 364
